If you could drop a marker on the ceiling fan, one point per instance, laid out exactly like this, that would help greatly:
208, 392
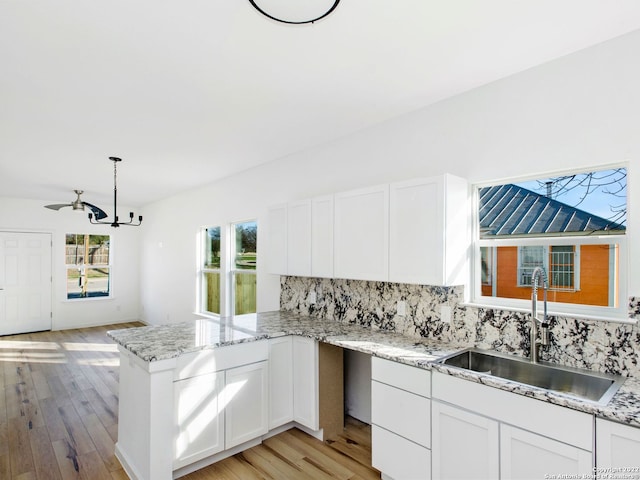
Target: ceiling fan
78, 204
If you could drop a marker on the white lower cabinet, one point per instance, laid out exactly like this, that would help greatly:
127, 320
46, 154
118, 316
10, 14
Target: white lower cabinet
305, 382
401, 420
526, 455
280, 381
483, 432
199, 425
246, 398
465, 445
220, 400
617, 446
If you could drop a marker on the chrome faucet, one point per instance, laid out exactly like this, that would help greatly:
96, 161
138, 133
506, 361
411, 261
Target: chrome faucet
538, 273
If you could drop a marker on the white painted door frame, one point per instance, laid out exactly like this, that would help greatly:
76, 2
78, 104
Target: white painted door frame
25, 282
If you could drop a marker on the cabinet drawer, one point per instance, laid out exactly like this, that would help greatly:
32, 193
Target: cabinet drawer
412, 379
220, 358
397, 457
404, 413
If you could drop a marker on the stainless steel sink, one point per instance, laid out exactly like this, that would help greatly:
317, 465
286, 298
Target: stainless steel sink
586, 385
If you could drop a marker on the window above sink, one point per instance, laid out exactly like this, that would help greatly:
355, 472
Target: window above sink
572, 224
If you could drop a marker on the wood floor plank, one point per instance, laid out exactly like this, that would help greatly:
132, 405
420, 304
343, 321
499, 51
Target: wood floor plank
362, 470
26, 476
19, 447
310, 467
92, 467
67, 459
40, 384
78, 435
105, 408
44, 456
4, 437
102, 441
5, 466
318, 457
119, 475
52, 419
241, 468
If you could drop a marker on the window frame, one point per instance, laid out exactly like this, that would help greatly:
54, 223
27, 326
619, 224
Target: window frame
617, 313
203, 270
85, 266
233, 271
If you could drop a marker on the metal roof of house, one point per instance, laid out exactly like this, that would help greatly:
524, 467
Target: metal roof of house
513, 210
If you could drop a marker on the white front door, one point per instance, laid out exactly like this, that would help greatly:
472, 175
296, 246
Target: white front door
25, 282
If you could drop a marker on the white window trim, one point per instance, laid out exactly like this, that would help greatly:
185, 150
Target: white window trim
232, 272
618, 314
109, 265
202, 270
475, 299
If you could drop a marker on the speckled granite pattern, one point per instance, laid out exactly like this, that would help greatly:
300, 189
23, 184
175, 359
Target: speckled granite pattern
156, 343
601, 346
634, 308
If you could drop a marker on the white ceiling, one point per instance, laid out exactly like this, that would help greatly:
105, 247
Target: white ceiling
190, 91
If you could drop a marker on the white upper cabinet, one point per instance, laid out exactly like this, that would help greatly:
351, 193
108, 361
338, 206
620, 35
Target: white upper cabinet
277, 240
416, 231
361, 234
322, 237
429, 231
299, 238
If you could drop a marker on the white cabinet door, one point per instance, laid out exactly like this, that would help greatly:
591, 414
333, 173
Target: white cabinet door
464, 445
198, 418
397, 457
246, 398
305, 381
428, 225
526, 455
276, 258
280, 381
361, 234
617, 445
299, 238
322, 236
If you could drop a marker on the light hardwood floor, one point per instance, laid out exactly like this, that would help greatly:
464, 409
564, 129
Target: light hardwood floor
59, 420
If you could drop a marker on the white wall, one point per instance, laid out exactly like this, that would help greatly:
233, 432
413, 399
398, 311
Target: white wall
30, 216
580, 111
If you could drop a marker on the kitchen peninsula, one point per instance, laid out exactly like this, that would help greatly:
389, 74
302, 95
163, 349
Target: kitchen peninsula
194, 392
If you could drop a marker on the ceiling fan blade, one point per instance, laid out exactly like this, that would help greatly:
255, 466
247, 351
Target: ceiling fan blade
98, 212
58, 206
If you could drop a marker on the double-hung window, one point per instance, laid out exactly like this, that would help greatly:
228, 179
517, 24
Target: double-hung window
571, 225
88, 265
243, 270
227, 272
210, 272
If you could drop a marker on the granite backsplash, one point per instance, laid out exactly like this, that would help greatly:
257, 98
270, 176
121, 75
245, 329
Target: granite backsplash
595, 345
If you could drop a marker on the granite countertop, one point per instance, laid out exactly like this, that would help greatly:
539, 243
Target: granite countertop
155, 343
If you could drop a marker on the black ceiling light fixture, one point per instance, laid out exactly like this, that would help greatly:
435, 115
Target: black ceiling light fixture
295, 12
115, 223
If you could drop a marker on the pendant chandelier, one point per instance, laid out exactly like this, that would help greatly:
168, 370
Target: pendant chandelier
295, 12
115, 223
